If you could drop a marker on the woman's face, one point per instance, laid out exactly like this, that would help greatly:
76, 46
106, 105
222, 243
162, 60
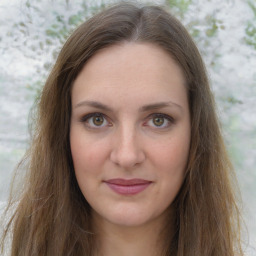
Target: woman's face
130, 133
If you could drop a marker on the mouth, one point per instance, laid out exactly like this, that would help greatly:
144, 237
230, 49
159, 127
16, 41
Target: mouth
128, 187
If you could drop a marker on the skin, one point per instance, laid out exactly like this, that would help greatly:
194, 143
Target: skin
128, 84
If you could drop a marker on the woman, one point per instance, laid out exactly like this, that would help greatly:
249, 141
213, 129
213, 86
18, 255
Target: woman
127, 156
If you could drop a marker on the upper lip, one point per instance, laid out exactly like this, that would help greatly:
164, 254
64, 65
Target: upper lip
128, 182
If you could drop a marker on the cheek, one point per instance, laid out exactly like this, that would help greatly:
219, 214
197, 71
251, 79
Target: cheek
87, 154
87, 160
172, 155
170, 161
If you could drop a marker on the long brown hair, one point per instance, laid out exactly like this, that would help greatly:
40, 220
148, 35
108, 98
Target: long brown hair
53, 217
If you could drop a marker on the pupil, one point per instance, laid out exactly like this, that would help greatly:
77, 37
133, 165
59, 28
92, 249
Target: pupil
158, 121
98, 120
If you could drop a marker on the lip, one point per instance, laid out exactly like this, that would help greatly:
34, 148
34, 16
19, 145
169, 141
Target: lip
128, 186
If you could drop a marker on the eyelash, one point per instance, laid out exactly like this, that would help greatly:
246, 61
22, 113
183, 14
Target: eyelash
85, 119
167, 118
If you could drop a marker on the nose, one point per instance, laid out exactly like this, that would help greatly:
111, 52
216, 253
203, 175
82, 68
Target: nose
127, 150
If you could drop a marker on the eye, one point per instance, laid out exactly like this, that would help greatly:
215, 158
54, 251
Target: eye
160, 121
95, 120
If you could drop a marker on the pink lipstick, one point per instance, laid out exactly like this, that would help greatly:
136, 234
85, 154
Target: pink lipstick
128, 187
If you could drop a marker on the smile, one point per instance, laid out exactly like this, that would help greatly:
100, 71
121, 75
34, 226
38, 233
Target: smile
128, 187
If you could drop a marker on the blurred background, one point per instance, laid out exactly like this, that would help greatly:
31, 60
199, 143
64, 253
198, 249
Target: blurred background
33, 31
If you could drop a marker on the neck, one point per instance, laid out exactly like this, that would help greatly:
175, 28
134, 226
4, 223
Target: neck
113, 240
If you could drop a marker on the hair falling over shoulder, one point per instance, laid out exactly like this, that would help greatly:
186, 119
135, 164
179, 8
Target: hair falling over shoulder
52, 216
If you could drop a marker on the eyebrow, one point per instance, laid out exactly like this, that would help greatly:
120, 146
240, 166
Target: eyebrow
94, 104
145, 108
159, 106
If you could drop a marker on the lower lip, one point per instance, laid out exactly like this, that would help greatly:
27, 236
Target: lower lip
128, 189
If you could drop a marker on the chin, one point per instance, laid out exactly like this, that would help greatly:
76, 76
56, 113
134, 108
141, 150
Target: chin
128, 221
129, 217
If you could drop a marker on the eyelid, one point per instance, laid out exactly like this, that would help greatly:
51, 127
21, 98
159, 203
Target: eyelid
169, 118
84, 119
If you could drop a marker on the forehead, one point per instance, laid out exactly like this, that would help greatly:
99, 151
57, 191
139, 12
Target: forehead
130, 71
